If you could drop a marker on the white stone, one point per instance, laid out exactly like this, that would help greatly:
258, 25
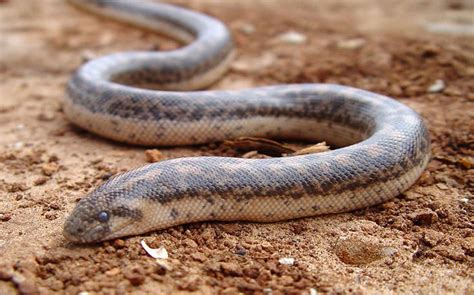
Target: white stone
292, 37
437, 86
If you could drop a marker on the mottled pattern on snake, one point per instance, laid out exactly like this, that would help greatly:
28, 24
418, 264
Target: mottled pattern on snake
384, 144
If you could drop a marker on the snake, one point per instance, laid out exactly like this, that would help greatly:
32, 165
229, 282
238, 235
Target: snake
379, 146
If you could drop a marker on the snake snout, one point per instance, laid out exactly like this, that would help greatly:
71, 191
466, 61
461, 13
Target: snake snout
84, 232
73, 230
80, 227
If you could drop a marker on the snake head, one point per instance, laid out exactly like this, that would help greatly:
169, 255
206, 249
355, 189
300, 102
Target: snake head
101, 215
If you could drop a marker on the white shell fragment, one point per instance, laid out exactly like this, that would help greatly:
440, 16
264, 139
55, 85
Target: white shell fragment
159, 253
287, 261
292, 37
437, 86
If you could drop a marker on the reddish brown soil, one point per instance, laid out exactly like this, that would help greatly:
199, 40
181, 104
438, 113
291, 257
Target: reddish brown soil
422, 242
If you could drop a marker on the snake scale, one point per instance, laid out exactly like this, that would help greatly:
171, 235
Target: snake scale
154, 99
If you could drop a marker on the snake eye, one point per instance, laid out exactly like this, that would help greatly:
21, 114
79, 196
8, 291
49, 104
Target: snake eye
103, 216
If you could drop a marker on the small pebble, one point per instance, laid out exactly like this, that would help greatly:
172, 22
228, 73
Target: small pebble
359, 250
110, 249
41, 180
49, 169
251, 272
106, 176
18, 145
389, 251
46, 117
432, 237
153, 156
112, 272
247, 28
442, 186
161, 269
119, 244
468, 245
25, 286
424, 217
351, 43
388, 205
287, 261
291, 37
286, 280
464, 200
5, 217
437, 86
53, 158
190, 243
467, 162
230, 269
240, 251
198, 257
5, 275
17, 187
135, 279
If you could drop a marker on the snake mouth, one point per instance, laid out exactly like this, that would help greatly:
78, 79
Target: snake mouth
117, 232
99, 233
74, 232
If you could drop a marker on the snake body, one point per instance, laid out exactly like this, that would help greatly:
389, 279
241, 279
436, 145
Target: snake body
384, 145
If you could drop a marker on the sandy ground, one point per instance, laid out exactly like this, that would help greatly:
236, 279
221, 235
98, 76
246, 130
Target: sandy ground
422, 242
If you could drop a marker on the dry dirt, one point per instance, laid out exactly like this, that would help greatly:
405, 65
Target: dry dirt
422, 242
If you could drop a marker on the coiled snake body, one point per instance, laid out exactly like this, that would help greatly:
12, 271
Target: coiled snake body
384, 144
